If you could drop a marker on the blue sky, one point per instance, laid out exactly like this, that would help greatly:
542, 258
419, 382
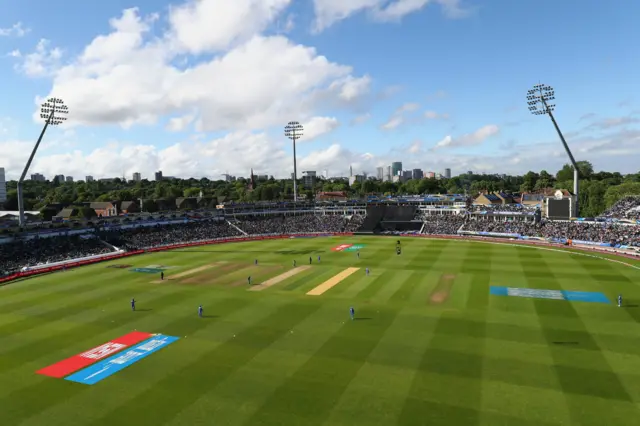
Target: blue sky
202, 88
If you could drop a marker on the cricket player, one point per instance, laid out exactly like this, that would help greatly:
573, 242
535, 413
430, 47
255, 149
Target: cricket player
310, 260
318, 259
358, 253
294, 263
133, 304
255, 262
200, 311
367, 271
619, 300
249, 280
352, 312
162, 276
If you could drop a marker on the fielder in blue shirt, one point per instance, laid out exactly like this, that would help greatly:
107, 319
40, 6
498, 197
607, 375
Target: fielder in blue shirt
200, 311
133, 304
352, 312
367, 270
619, 300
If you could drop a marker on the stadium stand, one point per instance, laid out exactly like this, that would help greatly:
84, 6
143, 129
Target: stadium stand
21, 252
626, 208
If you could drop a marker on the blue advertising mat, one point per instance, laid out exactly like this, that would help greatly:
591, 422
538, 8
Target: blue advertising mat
571, 296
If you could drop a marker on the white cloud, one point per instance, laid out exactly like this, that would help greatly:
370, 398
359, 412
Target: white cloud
328, 12
123, 78
392, 123
360, 119
318, 126
469, 139
399, 116
42, 62
432, 115
178, 124
16, 30
200, 26
415, 147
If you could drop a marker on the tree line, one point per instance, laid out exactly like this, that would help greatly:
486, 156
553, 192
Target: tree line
598, 191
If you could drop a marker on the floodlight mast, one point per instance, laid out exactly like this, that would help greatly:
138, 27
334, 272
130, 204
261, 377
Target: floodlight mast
293, 131
538, 99
54, 112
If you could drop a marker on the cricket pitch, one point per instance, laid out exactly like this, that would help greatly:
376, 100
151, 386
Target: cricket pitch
332, 282
278, 279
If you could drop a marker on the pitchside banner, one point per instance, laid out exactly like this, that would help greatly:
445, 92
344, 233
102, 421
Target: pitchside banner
85, 359
108, 367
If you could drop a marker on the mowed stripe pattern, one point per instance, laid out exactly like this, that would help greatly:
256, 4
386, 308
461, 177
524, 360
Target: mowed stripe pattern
278, 357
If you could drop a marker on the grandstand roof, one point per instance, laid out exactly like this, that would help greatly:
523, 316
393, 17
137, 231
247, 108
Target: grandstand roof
15, 213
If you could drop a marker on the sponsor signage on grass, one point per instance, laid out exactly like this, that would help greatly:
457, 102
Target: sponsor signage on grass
108, 367
147, 270
341, 247
119, 266
85, 359
355, 247
571, 296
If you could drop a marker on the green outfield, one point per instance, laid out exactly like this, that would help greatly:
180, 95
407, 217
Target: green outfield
430, 345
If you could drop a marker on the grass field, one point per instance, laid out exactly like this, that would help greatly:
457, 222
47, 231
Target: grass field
430, 345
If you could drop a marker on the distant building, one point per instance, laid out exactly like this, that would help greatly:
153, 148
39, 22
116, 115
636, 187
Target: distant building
407, 175
262, 177
447, 173
417, 174
331, 196
158, 176
388, 174
325, 174
470, 172
37, 177
356, 178
104, 209
137, 177
309, 179
350, 171
69, 179
380, 173
430, 175
3, 186
396, 168
89, 179
229, 178
58, 178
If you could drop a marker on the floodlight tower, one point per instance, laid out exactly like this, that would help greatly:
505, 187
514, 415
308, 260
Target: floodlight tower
54, 112
538, 99
293, 131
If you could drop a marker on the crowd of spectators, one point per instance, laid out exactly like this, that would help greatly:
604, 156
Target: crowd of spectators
18, 254
503, 208
157, 236
354, 223
442, 224
299, 224
583, 231
626, 208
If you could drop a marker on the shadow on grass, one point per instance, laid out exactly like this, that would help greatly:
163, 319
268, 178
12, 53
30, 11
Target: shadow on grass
629, 306
566, 343
362, 319
144, 310
209, 316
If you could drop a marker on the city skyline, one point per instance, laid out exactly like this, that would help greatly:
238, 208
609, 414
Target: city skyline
188, 87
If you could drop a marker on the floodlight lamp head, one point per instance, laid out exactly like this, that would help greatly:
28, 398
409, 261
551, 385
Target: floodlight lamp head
293, 130
54, 111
